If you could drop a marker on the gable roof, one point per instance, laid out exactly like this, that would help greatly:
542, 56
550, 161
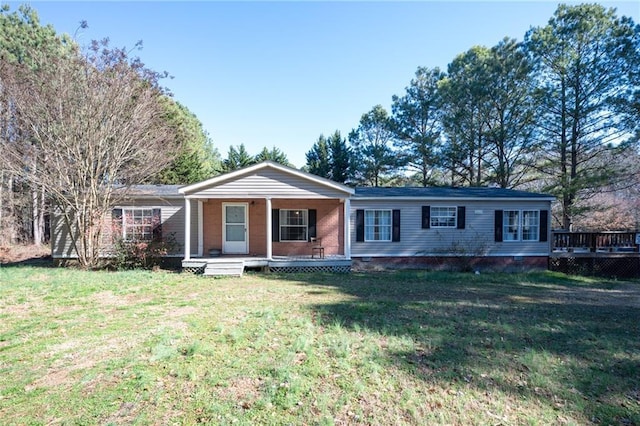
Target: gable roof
470, 193
237, 174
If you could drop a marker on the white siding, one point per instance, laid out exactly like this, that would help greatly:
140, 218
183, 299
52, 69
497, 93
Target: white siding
269, 183
477, 239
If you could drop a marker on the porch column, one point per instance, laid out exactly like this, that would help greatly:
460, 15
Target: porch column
269, 236
187, 229
200, 229
347, 228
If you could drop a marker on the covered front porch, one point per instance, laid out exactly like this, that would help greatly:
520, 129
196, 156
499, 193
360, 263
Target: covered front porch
267, 216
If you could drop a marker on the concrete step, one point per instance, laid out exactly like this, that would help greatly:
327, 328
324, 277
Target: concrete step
230, 268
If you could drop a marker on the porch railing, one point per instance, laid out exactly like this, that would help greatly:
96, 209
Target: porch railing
564, 241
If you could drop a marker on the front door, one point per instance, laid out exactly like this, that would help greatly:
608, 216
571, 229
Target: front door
234, 228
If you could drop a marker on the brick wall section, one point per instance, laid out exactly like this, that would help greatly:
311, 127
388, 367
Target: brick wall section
212, 225
453, 263
330, 226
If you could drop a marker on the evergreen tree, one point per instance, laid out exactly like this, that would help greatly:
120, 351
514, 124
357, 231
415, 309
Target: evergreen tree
511, 115
586, 62
319, 158
340, 155
465, 116
274, 154
417, 123
23, 203
237, 158
374, 157
197, 159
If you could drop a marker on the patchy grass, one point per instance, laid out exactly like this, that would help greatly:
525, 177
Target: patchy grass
388, 348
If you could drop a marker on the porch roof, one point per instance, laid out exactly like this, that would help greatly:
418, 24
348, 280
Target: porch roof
267, 180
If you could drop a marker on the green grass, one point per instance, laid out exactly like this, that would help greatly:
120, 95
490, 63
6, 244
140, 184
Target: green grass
386, 348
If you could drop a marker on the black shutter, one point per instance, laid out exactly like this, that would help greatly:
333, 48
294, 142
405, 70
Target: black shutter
498, 226
275, 225
461, 216
116, 224
426, 217
313, 214
359, 225
156, 222
395, 234
544, 225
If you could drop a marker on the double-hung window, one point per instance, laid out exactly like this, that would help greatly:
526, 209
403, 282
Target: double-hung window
530, 225
377, 225
521, 225
294, 225
137, 224
443, 217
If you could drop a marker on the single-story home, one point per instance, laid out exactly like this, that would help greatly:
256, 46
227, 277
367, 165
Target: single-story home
273, 216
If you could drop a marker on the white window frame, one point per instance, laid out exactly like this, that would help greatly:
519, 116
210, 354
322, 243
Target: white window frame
378, 225
440, 218
536, 225
507, 229
282, 224
125, 226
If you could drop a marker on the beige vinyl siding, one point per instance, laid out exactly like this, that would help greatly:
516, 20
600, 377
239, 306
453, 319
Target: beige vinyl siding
269, 183
172, 214
61, 244
477, 239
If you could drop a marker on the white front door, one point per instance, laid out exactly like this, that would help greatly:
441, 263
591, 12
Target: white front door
235, 224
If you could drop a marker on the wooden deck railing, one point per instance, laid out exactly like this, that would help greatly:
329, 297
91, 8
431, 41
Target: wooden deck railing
564, 241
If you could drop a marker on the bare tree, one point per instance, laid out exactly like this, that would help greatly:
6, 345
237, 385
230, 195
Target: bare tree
95, 125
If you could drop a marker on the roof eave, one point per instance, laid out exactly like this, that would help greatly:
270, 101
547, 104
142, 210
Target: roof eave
151, 196
432, 198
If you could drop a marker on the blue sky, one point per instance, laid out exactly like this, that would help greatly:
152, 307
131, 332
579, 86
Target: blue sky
281, 73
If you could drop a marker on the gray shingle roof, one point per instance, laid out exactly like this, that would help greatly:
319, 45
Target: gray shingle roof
155, 190
445, 192
372, 192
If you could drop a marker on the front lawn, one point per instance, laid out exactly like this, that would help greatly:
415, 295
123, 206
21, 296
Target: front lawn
386, 348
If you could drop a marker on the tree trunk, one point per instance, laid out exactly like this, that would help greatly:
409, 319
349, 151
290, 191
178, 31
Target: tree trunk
35, 212
479, 171
566, 203
11, 211
3, 230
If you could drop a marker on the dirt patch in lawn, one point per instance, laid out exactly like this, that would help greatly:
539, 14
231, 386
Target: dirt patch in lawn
62, 375
25, 254
244, 390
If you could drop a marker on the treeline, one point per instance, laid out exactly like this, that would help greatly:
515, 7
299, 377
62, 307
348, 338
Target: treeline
558, 112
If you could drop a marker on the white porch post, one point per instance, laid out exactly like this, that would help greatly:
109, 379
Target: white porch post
269, 236
200, 229
187, 229
347, 228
